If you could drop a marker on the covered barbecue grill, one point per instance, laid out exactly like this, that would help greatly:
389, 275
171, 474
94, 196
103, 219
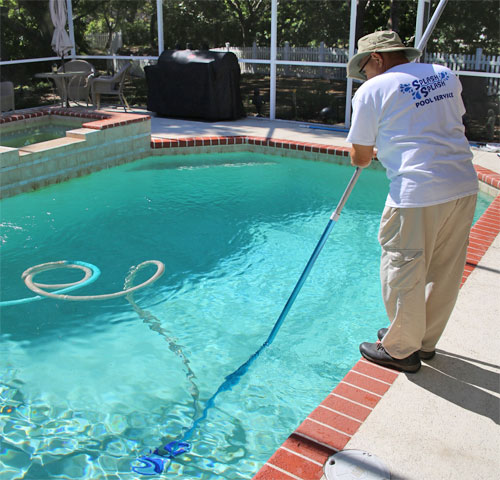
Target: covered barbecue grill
195, 84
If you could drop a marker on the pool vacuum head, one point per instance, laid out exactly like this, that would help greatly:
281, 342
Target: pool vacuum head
173, 449
355, 465
158, 461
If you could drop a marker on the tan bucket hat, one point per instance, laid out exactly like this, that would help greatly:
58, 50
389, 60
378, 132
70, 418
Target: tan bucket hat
384, 41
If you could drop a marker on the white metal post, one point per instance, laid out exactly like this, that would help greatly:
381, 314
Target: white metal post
432, 24
274, 44
422, 19
71, 27
159, 22
352, 45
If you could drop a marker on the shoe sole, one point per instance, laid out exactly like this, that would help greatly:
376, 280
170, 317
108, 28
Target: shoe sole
395, 366
426, 355
421, 353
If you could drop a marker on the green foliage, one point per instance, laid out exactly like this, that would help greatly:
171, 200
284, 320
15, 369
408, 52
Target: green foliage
377, 16
27, 28
26, 32
308, 23
466, 26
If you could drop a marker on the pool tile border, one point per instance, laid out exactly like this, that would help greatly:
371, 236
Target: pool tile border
159, 143
330, 426
485, 230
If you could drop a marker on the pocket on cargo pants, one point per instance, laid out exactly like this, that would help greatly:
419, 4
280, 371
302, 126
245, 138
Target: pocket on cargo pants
401, 238
402, 269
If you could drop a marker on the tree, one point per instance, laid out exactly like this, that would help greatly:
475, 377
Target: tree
131, 17
304, 22
386, 15
26, 29
249, 14
198, 23
465, 26
393, 22
452, 34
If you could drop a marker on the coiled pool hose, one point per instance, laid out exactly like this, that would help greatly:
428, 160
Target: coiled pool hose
91, 272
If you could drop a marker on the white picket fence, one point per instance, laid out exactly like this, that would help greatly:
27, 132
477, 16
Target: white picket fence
100, 40
293, 54
97, 40
476, 63
456, 62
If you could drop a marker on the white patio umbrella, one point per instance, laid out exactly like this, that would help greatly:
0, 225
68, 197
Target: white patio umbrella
61, 43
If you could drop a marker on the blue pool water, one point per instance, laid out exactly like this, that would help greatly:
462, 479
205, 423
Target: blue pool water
86, 388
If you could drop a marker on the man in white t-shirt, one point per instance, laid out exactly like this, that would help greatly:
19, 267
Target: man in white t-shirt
412, 113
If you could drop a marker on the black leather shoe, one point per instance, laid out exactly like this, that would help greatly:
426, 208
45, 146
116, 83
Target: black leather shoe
381, 333
421, 353
375, 352
426, 355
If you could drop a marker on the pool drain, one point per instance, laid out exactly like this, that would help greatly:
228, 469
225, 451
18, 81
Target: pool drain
355, 465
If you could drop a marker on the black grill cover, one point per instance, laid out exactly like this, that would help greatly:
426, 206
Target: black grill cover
195, 84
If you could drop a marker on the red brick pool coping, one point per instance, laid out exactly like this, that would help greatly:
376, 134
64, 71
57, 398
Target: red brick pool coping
99, 120
248, 140
330, 426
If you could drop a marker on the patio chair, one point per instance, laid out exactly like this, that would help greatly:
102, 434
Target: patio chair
6, 96
110, 85
78, 87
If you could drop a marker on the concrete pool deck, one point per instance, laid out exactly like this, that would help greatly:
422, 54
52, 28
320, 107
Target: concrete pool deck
441, 423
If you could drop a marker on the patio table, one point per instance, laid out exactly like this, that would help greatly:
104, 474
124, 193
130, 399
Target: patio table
66, 78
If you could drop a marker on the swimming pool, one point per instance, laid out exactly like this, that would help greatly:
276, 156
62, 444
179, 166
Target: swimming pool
88, 387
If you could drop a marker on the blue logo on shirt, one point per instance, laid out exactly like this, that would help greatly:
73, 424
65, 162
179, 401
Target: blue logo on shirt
420, 89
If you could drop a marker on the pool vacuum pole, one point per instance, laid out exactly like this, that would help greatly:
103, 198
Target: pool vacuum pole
333, 219
159, 460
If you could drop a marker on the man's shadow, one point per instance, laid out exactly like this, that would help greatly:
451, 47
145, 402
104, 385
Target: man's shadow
462, 381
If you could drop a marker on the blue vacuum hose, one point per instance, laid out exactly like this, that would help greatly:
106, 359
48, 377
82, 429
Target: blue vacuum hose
157, 461
92, 273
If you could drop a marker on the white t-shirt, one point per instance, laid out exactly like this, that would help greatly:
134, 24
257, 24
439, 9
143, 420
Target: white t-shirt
413, 115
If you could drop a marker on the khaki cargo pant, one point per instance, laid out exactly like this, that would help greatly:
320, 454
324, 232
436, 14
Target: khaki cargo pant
423, 258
